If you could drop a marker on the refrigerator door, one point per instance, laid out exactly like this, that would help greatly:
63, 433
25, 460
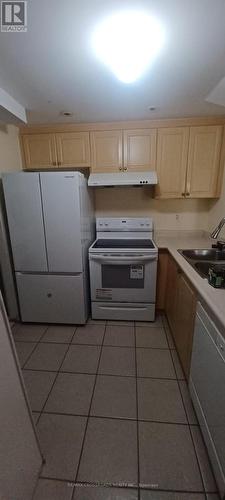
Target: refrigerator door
25, 219
61, 207
51, 298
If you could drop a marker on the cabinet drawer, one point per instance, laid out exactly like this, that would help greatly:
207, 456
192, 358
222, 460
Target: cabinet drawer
51, 298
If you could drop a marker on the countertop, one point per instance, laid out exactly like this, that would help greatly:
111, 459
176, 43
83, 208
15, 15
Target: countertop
173, 241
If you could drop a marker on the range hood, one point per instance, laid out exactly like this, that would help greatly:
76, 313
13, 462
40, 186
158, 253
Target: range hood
123, 179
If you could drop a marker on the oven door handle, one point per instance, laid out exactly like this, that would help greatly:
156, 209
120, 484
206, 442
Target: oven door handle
123, 260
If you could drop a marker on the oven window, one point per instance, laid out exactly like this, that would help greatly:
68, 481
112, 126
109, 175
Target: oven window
124, 276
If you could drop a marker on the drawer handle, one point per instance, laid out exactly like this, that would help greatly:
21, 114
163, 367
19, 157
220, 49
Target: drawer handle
49, 295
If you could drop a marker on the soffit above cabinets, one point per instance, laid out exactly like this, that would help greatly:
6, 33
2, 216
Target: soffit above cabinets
11, 111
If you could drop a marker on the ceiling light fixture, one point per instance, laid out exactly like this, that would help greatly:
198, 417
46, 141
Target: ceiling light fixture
128, 42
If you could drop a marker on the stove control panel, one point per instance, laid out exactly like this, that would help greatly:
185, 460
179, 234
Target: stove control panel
124, 224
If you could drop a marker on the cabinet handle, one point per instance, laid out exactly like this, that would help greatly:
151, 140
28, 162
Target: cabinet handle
124, 168
59, 163
120, 168
187, 194
54, 163
183, 194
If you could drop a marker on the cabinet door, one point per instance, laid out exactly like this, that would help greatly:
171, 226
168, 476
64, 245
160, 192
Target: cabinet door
140, 149
73, 149
171, 291
184, 322
106, 151
161, 279
39, 151
204, 161
172, 151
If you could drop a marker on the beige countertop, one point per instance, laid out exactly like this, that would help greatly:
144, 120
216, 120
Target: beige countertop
173, 241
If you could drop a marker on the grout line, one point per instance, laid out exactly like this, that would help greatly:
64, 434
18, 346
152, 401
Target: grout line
27, 359
108, 417
37, 343
89, 411
57, 374
118, 485
137, 413
105, 374
95, 344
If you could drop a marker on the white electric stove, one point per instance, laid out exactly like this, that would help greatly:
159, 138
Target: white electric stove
123, 267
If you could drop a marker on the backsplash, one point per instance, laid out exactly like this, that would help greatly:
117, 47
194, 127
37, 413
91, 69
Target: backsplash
167, 214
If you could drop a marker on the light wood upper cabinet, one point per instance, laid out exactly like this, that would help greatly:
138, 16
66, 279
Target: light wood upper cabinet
69, 149
73, 149
204, 161
139, 149
39, 151
106, 151
189, 157
172, 155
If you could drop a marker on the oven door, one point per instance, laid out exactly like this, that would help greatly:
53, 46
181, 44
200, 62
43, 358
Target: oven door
123, 277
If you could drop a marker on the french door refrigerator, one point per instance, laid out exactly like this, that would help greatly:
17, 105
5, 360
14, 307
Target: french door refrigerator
51, 225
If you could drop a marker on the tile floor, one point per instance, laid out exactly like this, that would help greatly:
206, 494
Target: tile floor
113, 413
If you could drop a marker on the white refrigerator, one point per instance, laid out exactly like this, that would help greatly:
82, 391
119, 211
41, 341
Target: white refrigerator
51, 225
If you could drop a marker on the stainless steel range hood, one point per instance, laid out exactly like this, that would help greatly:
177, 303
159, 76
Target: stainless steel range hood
123, 179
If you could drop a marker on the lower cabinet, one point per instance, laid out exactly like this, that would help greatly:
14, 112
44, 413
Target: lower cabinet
180, 306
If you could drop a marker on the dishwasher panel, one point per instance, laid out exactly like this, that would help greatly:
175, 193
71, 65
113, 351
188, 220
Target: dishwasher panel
207, 387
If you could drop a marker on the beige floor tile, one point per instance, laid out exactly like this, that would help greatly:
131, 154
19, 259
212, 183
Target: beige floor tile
61, 438
47, 357
71, 394
114, 397
110, 452
119, 336
156, 363
89, 334
117, 361
167, 457
160, 401
81, 359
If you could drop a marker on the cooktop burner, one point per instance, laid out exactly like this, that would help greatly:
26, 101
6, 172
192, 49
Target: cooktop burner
123, 243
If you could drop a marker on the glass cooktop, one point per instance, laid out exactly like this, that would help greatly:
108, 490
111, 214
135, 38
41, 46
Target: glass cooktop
123, 243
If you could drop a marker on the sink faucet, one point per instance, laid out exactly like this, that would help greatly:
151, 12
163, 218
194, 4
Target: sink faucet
217, 229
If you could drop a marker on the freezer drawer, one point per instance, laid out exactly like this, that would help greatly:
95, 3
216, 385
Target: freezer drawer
51, 298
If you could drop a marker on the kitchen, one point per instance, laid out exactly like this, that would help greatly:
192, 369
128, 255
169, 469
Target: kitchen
113, 322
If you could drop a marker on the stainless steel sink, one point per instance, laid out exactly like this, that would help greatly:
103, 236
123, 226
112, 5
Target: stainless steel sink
202, 259
211, 254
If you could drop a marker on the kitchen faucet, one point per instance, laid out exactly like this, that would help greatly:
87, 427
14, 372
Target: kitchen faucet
217, 229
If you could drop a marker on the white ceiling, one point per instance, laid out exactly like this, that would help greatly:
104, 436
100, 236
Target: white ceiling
51, 68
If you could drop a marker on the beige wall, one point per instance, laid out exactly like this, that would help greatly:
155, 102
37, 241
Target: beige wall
167, 214
10, 157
